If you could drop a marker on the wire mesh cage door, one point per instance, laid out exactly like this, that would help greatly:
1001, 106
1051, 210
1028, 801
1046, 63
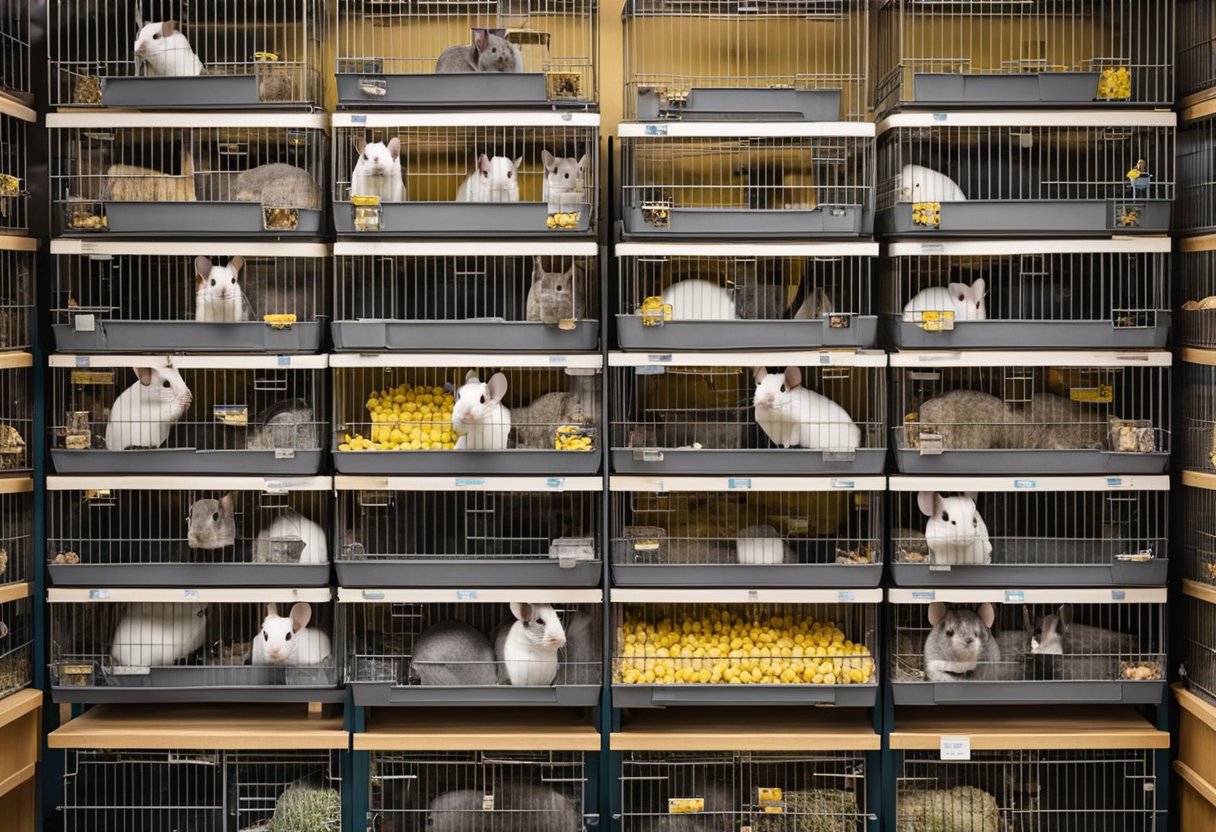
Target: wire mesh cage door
1198, 423
1195, 58
1199, 534
468, 54
17, 257
465, 296
16, 530
1196, 183
14, 180
1197, 294
512, 532
1200, 655
208, 56
16, 412
15, 49
16, 644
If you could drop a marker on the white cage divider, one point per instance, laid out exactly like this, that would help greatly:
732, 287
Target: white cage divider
1196, 192
188, 531
1008, 173
762, 296
1196, 292
1030, 531
695, 413
15, 49
402, 414
188, 176
16, 412
467, 296
1009, 293
738, 179
18, 256
1199, 661
1064, 53
795, 60
469, 54
189, 414
509, 531
16, 638
1044, 646
16, 530
1196, 49
453, 648
795, 647
744, 531
169, 56
146, 645
1199, 530
224, 297
14, 159
1198, 420
1021, 413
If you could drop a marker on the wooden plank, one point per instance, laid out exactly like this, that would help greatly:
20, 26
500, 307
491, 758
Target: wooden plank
509, 729
1198, 105
17, 705
1026, 729
18, 777
1205, 789
1202, 242
1191, 355
17, 807
1196, 733
770, 729
1203, 592
14, 592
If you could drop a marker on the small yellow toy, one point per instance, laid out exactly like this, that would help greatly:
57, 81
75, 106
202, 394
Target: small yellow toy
573, 438
406, 418
654, 312
928, 214
562, 220
280, 321
9, 185
1115, 84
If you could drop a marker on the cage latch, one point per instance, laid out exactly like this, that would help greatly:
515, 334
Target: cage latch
373, 87
647, 455
84, 322
931, 444
568, 551
839, 456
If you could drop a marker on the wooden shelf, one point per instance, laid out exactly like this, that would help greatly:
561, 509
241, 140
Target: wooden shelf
1026, 729
771, 729
20, 729
14, 592
16, 705
505, 729
210, 727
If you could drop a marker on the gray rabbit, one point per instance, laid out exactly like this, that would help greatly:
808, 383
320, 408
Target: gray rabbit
517, 807
582, 656
536, 424
278, 185
490, 51
212, 524
288, 424
453, 653
960, 646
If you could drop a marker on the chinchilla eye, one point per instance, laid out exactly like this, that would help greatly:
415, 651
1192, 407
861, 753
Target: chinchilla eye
265, 635
288, 637
783, 388
165, 385
977, 304
950, 633
483, 399
540, 621
962, 297
215, 516
510, 174
945, 517
213, 281
567, 176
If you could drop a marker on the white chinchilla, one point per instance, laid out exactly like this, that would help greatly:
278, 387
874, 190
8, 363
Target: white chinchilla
555, 296
143, 414
158, 635
699, 300
793, 416
218, 296
967, 302
490, 51
479, 417
527, 649
277, 543
378, 170
960, 645
921, 184
162, 50
955, 533
288, 641
565, 182
494, 180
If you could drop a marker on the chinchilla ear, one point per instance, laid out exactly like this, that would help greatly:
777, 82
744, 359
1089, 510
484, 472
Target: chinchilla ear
522, 612
987, 614
793, 377
202, 266
481, 39
548, 159
394, 147
760, 374
144, 374
301, 614
497, 386
1065, 617
518, 162
360, 142
928, 502
236, 264
937, 611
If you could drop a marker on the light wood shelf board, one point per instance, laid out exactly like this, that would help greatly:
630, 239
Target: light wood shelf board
1202, 709
1017, 729
17, 778
1203, 787
16, 705
409, 729
774, 729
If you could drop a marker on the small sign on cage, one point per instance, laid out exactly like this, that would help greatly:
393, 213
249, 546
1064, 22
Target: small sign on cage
278, 550
1115, 84
86, 216
685, 805
931, 444
654, 312
1128, 216
657, 212
1098, 394
927, 214
280, 219
78, 436
569, 550
366, 213
563, 220
937, 320
1142, 556
487, 803
231, 414
76, 675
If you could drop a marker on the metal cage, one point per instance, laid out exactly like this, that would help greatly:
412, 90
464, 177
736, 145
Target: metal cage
1031, 412
723, 296
1009, 173
139, 175
1042, 532
193, 645
1199, 530
16, 640
763, 532
1044, 646
1196, 52
509, 531
179, 414
16, 530
696, 413
16, 412
1198, 421
14, 177
15, 49
530, 173
1196, 282
188, 531
766, 791
17, 258
200, 789
1196, 182
1112, 294
466, 296
789, 60
399, 414
451, 647
470, 53
137, 297
1057, 53
1200, 641
541, 791
732, 179
803, 647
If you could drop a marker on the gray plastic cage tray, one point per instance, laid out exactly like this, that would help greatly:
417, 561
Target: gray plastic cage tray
455, 89
509, 462
463, 336
739, 103
1043, 462
1042, 334
208, 684
185, 461
188, 336
777, 576
454, 572
190, 574
1147, 573
1055, 218
707, 695
1030, 692
632, 334
1005, 90
460, 219
191, 220
775, 461
824, 221
218, 92
388, 693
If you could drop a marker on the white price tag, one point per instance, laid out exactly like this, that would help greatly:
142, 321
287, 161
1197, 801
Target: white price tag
956, 748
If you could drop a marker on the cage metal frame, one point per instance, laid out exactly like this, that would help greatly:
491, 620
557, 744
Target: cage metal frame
18, 260
1198, 546
1195, 61
15, 41
16, 530
17, 653
16, 412
1196, 192
1196, 324
1199, 669
1197, 426
15, 133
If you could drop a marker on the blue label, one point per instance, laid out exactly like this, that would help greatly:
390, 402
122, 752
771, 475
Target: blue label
190, 594
656, 129
665, 358
284, 360
1118, 595
1114, 482
924, 596
1014, 596
939, 116
735, 482
373, 595
98, 594
466, 595
557, 360
846, 596
843, 483
464, 482
1025, 483
932, 248
555, 482
82, 361
358, 119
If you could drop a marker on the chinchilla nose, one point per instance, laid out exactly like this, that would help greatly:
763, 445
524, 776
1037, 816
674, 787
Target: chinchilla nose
970, 641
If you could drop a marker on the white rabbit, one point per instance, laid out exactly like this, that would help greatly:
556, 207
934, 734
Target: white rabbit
158, 635
494, 180
967, 302
143, 414
218, 296
921, 184
565, 181
288, 641
162, 50
274, 543
761, 545
793, 416
527, 649
479, 417
699, 300
955, 533
378, 170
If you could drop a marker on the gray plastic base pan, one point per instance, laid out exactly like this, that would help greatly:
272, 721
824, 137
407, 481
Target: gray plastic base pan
632, 334
735, 575
1042, 462
474, 463
460, 219
832, 221
463, 336
145, 695
718, 103
218, 684
188, 336
181, 461
1018, 693
991, 218
192, 220
387, 693
662, 696
219, 92
775, 461
451, 572
190, 574
1150, 573
457, 89
1001, 90
1042, 334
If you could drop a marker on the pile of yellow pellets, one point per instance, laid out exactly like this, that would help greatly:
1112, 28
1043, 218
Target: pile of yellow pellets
406, 418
